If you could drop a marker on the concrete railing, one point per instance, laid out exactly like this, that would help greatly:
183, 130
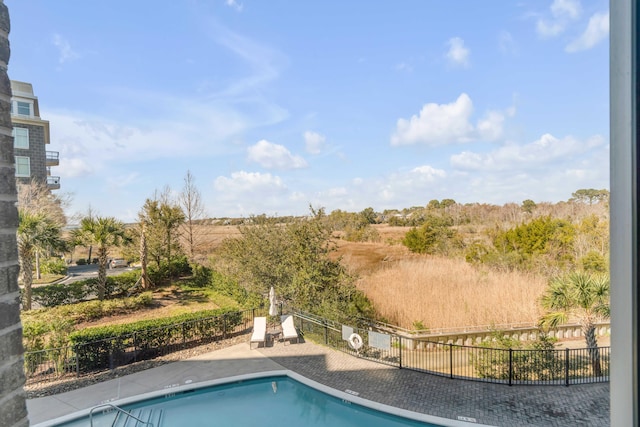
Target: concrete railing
563, 332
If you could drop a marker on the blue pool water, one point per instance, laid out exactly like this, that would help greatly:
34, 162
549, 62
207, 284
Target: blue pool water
264, 402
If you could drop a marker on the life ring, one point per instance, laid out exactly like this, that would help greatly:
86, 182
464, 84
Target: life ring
355, 341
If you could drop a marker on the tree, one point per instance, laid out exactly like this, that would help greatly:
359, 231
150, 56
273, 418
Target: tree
35, 197
36, 233
13, 409
191, 203
589, 196
294, 258
581, 296
434, 236
528, 205
162, 219
105, 233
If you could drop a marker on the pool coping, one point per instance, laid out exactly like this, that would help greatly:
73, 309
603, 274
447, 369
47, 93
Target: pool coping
343, 395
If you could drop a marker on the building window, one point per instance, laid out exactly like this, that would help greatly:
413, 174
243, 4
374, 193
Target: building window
21, 138
23, 166
21, 108
24, 108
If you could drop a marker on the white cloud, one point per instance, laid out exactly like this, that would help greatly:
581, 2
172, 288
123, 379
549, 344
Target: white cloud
65, 52
562, 13
506, 43
570, 8
274, 156
235, 5
249, 182
314, 142
440, 124
490, 127
457, 54
597, 30
543, 152
73, 166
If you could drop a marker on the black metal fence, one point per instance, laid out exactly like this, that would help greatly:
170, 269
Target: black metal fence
505, 366
75, 361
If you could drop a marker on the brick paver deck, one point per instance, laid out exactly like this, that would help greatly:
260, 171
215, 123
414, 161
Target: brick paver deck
492, 404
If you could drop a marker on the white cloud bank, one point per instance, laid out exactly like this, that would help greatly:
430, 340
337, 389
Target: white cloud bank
440, 124
274, 156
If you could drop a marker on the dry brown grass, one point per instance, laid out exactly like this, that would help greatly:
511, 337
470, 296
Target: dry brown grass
446, 293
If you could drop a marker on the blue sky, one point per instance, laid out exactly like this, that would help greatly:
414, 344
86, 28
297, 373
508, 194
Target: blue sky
277, 105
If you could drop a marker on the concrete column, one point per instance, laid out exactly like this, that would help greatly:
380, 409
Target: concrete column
625, 196
13, 410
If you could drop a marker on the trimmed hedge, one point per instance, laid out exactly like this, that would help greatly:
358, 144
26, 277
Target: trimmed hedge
105, 347
70, 293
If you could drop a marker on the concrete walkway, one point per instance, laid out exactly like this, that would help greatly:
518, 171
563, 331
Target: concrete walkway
490, 404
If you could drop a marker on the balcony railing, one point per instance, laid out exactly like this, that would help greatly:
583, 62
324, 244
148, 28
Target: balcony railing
53, 182
53, 158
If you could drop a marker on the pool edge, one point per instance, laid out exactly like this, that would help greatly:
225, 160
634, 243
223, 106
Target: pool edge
343, 395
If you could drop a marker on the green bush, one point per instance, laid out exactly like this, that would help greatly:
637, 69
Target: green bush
503, 358
53, 266
59, 294
81, 261
103, 346
166, 271
201, 275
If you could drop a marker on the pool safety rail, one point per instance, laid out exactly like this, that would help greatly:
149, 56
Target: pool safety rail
480, 363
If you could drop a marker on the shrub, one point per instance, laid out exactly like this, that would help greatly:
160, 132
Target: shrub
177, 267
100, 347
81, 261
504, 358
201, 275
53, 266
59, 294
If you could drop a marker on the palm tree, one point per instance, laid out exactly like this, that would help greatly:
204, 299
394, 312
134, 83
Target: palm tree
103, 232
581, 297
36, 233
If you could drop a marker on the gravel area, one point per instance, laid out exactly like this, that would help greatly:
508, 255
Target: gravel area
55, 387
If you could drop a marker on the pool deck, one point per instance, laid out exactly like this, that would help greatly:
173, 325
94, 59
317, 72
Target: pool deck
488, 404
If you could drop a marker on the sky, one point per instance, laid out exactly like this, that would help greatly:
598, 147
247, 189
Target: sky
276, 106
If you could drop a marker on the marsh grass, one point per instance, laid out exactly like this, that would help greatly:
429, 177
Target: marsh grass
446, 293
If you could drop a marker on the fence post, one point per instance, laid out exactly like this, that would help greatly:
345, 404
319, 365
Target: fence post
566, 367
77, 363
224, 326
326, 332
450, 360
510, 365
400, 347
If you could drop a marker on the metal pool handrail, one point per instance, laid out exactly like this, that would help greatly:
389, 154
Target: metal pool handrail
119, 409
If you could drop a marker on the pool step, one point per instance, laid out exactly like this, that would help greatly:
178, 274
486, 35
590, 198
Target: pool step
149, 417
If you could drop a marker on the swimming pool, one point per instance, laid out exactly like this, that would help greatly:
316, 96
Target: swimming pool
269, 401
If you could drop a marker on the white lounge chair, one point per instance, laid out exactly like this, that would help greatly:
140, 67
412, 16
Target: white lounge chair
259, 334
288, 328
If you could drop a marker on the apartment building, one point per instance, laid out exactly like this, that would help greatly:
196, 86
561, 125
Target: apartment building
31, 136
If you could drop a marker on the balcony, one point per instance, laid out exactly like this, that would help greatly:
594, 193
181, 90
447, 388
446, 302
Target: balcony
53, 182
53, 158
